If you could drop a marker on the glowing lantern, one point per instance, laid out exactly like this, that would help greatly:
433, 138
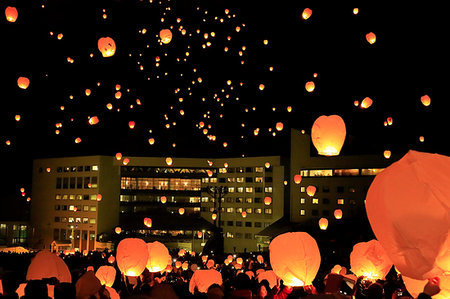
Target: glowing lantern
118, 230
297, 179
46, 265
11, 14
289, 108
328, 134
210, 264
239, 260
106, 275
99, 197
387, 154
181, 252
165, 35
209, 172
356, 103
226, 262
199, 234
93, 120
267, 200
261, 86
214, 216
366, 103
426, 100
415, 287
310, 86
118, 95
355, 11
181, 211
178, 264
132, 256
163, 199
421, 139
279, 126
260, 259
323, 223
306, 13
169, 161
202, 279
338, 214
204, 258
87, 92
244, 214
407, 208
311, 190
77, 140
185, 266
267, 165
389, 121
148, 222
158, 256
371, 38
23, 82
106, 46
131, 124
17, 117
151, 141
295, 258
111, 259
369, 259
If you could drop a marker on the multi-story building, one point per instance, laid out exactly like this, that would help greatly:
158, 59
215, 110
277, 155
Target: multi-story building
13, 233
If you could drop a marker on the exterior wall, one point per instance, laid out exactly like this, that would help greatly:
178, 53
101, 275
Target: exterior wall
13, 233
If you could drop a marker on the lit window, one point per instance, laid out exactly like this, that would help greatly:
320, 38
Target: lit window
93, 208
268, 189
321, 172
230, 210
231, 180
258, 211
258, 179
315, 201
229, 235
304, 173
238, 210
230, 189
205, 199
249, 189
205, 180
71, 208
240, 189
302, 189
79, 197
222, 170
249, 210
267, 211
85, 220
302, 201
86, 208
72, 196
65, 196
213, 180
71, 220
58, 196
346, 172
259, 169
371, 171
78, 220
94, 168
340, 201
240, 180
248, 200
92, 221
302, 212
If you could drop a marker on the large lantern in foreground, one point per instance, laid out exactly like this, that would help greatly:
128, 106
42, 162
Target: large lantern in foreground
369, 259
23, 82
408, 208
295, 258
132, 256
202, 279
158, 256
11, 14
106, 46
106, 275
328, 134
46, 265
165, 35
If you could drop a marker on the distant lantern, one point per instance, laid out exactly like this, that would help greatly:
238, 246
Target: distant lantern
148, 222
421, 139
214, 216
118, 156
11, 14
338, 214
131, 124
244, 214
169, 161
87, 92
151, 141
185, 266
355, 10
132, 256
99, 197
289, 108
125, 161
267, 200
260, 259
111, 259
118, 95
181, 252
106, 46
323, 223
328, 134
297, 179
306, 13
178, 264
199, 234
356, 103
261, 86
106, 275
239, 260
371, 38
118, 230
267, 165
370, 260
426, 100
165, 35
389, 121
17, 117
181, 211
279, 126
209, 172
366, 103
387, 154
23, 82
163, 199
311, 190
118, 87
158, 256
310, 86
77, 140
93, 120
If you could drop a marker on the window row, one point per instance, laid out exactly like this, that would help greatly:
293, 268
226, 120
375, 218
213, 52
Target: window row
206, 199
176, 184
259, 169
84, 220
86, 168
76, 197
236, 235
238, 210
315, 201
75, 208
326, 189
267, 189
76, 182
340, 172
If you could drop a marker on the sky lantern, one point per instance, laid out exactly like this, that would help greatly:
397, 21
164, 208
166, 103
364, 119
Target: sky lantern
407, 207
371, 38
267, 165
23, 82
178, 264
93, 120
148, 222
328, 134
11, 14
366, 103
323, 223
279, 126
132, 256
199, 234
202, 279
311, 190
165, 35
297, 179
356, 103
158, 256
118, 87
306, 13
267, 200
338, 214
387, 154
214, 216
46, 264
99, 197
261, 86
355, 10
426, 100
181, 252
106, 46
163, 199
244, 214
181, 211
106, 275
310, 86
118, 156
131, 124
260, 259
118, 95
87, 92
295, 258
17, 117
77, 140
421, 139
169, 161
185, 266
369, 259
239, 260
389, 121
151, 141
118, 230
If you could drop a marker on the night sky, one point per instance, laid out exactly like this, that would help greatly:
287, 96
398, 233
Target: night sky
408, 60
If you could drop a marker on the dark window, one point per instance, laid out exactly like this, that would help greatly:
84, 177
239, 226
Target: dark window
248, 224
221, 222
204, 209
57, 207
268, 179
72, 183
229, 223
239, 200
87, 182
85, 197
340, 189
66, 168
258, 199
258, 189
79, 183
248, 235
80, 168
87, 168
221, 180
56, 219
326, 213
257, 224
59, 169
326, 201
269, 169
56, 234
65, 183
73, 168
64, 207
40, 169
325, 189
231, 170
58, 183
249, 180
238, 223
315, 212
248, 169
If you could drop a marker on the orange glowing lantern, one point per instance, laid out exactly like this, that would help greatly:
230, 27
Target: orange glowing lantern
338, 214
297, 179
387, 154
261, 86
106, 46
93, 120
267, 200
106, 275
426, 100
118, 230
178, 264
118, 95
214, 216
181, 252
239, 260
151, 141
311, 190
148, 222
111, 259
310, 86
202, 279
371, 38
99, 197
77, 140
185, 266
17, 117
87, 92
328, 134
279, 126
260, 259
158, 256
23, 82
163, 199
369, 259
210, 264
131, 124
166, 36
366, 103
323, 223
389, 121
267, 165
306, 13
244, 214
118, 156
199, 234
169, 161
132, 256
295, 258
46, 264
11, 14
421, 139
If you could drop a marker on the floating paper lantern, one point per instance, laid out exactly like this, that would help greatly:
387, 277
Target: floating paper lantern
371, 38
306, 13
426, 100
47, 265
131, 124
125, 161
169, 161
158, 256
118, 230
181, 252
185, 266
267, 165
118, 156
267, 200
210, 264
311, 190
366, 103
387, 154
99, 197
295, 258
323, 223
421, 139
199, 235
389, 121
87, 92
106, 46
178, 264
163, 199
148, 222
279, 126
214, 216
328, 134
310, 86
338, 214
77, 140
297, 179
23, 82
244, 214
165, 35
261, 86
17, 117
407, 206
202, 279
106, 275
93, 120
181, 211
369, 259
151, 141
239, 260
260, 259
132, 256
11, 14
